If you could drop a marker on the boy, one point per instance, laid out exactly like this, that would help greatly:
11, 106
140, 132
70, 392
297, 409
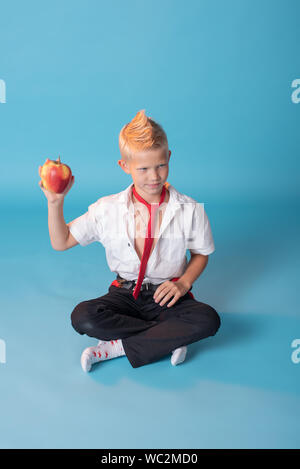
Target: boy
149, 310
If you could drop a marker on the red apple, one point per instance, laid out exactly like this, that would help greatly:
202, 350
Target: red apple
55, 175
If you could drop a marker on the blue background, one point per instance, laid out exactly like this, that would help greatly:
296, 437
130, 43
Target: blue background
217, 75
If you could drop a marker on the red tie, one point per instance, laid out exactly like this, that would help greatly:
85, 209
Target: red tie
148, 239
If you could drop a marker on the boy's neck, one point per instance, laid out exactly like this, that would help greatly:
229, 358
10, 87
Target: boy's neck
151, 200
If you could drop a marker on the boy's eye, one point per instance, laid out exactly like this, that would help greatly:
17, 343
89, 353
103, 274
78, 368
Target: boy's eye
142, 169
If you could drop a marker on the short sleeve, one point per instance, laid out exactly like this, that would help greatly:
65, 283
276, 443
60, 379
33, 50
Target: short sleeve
87, 228
201, 238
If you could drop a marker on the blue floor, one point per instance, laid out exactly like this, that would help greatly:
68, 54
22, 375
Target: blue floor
239, 389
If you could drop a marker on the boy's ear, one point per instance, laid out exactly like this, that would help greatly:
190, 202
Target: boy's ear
124, 166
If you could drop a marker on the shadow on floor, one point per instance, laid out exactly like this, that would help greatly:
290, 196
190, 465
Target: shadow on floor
202, 360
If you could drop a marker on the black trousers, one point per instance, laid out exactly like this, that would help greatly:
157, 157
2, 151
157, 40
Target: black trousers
148, 331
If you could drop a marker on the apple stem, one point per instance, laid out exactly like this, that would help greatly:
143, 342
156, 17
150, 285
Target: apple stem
58, 159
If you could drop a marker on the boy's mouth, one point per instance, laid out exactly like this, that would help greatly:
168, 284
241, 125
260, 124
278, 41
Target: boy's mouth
153, 185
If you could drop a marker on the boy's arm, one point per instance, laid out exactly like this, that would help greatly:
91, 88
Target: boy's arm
194, 269
71, 241
60, 236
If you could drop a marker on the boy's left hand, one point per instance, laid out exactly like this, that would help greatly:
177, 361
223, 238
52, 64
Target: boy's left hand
168, 289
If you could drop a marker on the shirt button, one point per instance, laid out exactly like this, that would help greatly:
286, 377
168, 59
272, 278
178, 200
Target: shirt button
128, 244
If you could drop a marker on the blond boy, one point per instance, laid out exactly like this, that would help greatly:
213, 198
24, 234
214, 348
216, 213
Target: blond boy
146, 229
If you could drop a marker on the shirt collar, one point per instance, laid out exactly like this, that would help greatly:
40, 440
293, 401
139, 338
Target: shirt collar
173, 205
174, 201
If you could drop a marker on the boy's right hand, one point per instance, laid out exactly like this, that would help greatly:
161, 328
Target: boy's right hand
52, 197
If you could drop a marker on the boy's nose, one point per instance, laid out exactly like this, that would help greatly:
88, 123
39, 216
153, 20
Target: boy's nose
154, 176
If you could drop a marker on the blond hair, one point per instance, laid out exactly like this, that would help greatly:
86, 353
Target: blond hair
141, 134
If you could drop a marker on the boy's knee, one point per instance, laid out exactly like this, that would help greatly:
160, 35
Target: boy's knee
79, 317
215, 320
86, 317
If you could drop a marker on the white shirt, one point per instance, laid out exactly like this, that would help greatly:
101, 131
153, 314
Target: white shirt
110, 221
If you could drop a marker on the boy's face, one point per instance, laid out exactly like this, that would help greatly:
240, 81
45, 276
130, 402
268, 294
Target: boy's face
148, 169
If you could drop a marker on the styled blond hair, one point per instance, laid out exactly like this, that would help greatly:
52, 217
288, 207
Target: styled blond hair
141, 134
